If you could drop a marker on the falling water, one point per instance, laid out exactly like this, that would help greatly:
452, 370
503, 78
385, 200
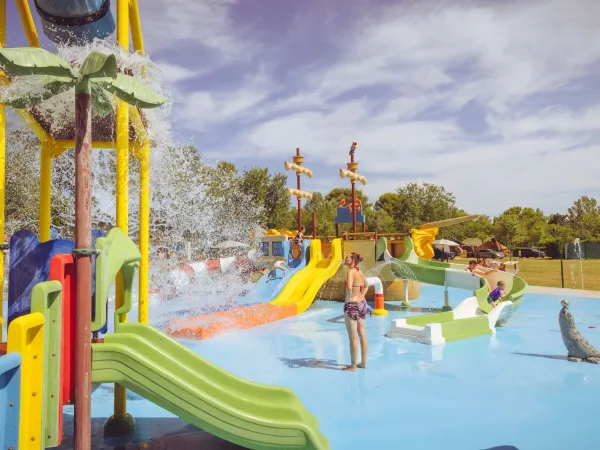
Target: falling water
578, 253
182, 210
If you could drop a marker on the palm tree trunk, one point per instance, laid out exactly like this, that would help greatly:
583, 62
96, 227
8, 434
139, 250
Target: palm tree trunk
83, 240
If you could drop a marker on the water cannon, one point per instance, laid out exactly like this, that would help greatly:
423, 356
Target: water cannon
353, 176
76, 22
300, 194
299, 169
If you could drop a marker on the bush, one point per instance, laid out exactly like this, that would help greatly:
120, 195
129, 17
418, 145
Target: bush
554, 250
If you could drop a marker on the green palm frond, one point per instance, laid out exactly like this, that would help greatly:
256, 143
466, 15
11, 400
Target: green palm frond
33, 61
132, 91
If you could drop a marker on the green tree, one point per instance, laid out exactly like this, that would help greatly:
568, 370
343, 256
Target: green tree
584, 218
325, 211
420, 203
508, 229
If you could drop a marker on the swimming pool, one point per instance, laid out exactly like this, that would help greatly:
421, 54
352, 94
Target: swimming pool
511, 389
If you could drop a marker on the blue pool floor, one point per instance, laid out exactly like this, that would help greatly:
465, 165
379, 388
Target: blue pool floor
511, 390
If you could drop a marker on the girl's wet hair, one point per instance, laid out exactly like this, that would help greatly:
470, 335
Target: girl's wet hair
356, 258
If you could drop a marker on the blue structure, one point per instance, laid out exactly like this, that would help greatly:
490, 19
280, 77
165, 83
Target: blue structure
30, 264
76, 22
10, 400
344, 215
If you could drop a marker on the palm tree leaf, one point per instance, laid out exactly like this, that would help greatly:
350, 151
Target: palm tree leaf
49, 86
97, 65
101, 102
33, 61
132, 91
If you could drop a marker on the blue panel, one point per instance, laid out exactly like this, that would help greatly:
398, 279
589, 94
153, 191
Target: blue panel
345, 216
10, 400
277, 248
29, 265
76, 21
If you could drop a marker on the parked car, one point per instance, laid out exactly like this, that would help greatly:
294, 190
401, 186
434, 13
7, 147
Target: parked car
529, 253
488, 253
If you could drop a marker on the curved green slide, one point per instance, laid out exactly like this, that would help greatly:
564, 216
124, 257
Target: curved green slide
472, 317
155, 366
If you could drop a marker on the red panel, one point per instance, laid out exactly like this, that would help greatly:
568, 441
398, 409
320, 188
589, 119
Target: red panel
62, 269
213, 265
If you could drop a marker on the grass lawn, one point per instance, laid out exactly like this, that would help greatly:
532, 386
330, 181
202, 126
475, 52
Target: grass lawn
546, 272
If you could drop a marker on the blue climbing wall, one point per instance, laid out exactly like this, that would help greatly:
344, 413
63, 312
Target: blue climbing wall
30, 264
10, 400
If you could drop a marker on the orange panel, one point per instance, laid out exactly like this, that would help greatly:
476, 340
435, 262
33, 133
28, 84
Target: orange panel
209, 325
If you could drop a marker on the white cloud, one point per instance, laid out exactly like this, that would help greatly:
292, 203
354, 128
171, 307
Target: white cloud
181, 25
432, 61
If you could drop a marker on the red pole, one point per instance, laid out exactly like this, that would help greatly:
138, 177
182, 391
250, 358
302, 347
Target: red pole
314, 225
299, 198
83, 265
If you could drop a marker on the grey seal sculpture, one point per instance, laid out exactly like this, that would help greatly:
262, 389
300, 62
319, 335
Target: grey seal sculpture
578, 348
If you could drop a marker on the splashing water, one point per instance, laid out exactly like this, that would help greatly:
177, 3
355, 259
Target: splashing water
184, 207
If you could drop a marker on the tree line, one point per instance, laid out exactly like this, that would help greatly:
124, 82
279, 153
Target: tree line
208, 203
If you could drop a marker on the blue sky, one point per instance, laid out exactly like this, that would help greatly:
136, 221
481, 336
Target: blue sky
499, 101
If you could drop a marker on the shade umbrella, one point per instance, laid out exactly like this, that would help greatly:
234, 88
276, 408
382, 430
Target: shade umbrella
472, 242
445, 242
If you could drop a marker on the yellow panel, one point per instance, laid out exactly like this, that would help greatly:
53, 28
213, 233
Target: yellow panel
366, 249
26, 336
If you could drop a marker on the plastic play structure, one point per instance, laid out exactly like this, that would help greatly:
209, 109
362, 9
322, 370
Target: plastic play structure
317, 275
472, 317
38, 361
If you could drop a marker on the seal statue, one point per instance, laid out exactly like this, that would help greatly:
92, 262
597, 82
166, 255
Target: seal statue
578, 348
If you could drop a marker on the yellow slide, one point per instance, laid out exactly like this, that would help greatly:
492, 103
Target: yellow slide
303, 287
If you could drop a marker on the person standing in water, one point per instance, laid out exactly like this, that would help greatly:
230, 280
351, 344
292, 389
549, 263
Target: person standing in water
355, 312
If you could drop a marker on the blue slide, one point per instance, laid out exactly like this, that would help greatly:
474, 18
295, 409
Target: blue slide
265, 291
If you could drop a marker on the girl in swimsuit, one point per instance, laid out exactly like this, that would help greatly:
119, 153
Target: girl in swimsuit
355, 312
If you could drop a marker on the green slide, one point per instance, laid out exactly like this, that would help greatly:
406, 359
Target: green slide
472, 317
256, 416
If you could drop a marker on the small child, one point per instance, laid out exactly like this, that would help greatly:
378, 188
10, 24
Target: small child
496, 294
278, 265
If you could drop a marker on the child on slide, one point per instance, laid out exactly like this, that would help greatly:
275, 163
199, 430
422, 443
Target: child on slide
496, 294
278, 265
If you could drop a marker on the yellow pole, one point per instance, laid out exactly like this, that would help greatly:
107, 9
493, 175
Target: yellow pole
144, 155
122, 148
136, 26
28, 23
44, 222
144, 235
2, 163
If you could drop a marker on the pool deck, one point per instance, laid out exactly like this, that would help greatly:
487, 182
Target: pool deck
560, 291
411, 393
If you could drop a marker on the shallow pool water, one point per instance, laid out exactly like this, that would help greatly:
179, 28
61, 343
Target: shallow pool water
514, 389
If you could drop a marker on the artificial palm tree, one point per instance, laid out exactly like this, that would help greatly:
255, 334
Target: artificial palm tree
94, 82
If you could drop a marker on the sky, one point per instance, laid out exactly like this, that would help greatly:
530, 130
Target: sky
498, 101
